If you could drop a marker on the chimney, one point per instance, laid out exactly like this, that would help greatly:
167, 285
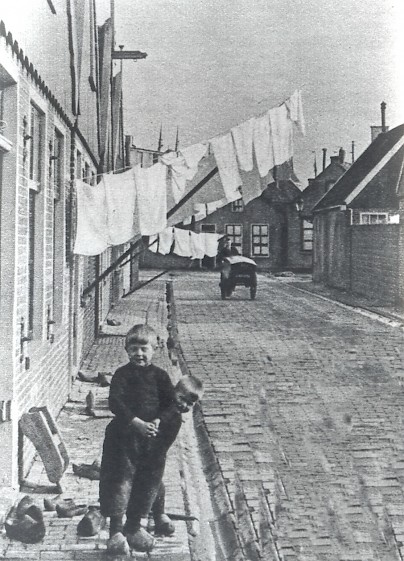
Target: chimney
376, 130
341, 155
334, 159
324, 158
383, 112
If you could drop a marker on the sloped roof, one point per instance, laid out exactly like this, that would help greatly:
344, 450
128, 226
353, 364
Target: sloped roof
319, 185
370, 161
285, 191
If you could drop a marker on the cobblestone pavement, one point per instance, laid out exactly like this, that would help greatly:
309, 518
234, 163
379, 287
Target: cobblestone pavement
304, 407
83, 436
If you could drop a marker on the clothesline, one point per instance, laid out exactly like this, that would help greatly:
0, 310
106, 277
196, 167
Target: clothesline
114, 172
267, 98
207, 142
142, 199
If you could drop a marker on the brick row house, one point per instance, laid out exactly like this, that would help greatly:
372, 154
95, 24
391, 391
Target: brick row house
55, 127
359, 224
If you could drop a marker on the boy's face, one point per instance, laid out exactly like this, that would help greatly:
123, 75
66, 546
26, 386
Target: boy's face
140, 354
183, 402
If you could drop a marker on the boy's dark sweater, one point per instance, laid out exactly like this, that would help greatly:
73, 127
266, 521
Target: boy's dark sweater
140, 391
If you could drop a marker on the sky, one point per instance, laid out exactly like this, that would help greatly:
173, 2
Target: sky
212, 64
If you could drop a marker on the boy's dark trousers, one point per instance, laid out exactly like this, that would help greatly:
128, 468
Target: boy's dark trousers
132, 468
130, 476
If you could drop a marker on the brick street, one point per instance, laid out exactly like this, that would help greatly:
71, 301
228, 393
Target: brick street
304, 407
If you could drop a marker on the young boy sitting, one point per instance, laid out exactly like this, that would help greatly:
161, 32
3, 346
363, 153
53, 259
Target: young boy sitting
142, 398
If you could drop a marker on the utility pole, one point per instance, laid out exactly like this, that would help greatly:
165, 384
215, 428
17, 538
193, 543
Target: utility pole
160, 142
177, 142
353, 151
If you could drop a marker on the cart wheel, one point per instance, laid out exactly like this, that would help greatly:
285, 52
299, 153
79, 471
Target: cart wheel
253, 292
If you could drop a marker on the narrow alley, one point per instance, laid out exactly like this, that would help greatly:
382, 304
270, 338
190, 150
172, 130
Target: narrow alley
304, 409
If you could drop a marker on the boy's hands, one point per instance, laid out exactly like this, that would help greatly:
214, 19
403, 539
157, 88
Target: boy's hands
148, 429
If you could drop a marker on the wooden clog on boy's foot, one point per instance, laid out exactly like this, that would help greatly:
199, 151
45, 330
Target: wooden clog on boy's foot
140, 540
118, 545
91, 523
163, 525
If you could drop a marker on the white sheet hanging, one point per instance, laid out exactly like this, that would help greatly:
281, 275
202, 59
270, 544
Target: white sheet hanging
225, 155
211, 244
197, 246
120, 197
152, 198
295, 107
243, 141
194, 154
263, 144
92, 227
282, 134
182, 244
166, 238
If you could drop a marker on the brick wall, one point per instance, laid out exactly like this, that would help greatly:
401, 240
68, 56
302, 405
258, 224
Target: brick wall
331, 249
375, 261
41, 365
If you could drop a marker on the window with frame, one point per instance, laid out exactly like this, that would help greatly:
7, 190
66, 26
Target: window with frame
307, 235
374, 218
35, 150
234, 232
237, 206
32, 194
59, 243
260, 240
34, 187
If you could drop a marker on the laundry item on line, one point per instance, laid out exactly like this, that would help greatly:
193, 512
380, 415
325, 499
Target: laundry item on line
120, 198
183, 168
282, 134
223, 149
243, 141
182, 245
91, 230
197, 246
188, 243
263, 147
152, 198
295, 107
166, 238
211, 244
